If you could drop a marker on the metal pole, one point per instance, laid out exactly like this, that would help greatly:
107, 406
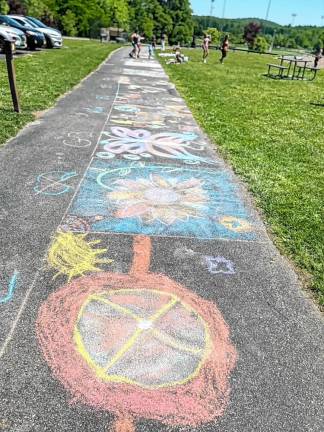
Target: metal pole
224, 9
12, 75
268, 10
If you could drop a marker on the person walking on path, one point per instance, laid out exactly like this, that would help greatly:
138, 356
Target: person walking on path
139, 45
224, 49
205, 47
134, 40
150, 50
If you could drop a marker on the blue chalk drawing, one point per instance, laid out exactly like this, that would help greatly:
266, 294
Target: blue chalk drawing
54, 183
219, 265
98, 97
127, 108
96, 110
11, 289
159, 200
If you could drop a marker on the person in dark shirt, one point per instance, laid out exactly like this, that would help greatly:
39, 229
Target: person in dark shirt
224, 49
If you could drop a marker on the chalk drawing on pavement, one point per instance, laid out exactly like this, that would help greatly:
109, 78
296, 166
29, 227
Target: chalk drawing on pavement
96, 110
6, 297
219, 265
139, 346
214, 264
144, 73
159, 200
54, 183
102, 97
180, 146
143, 63
147, 89
236, 224
78, 139
72, 255
127, 108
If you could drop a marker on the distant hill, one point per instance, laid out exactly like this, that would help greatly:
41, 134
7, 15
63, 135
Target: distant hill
308, 37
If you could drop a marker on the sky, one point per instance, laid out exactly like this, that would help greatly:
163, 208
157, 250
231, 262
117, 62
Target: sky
308, 11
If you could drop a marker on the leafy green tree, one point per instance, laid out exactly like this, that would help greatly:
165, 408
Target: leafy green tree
214, 34
35, 8
180, 12
4, 7
116, 13
261, 44
69, 23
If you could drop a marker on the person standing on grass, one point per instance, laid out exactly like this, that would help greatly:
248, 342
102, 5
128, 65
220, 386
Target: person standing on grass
205, 47
318, 57
224, 49
163, 42
134, 40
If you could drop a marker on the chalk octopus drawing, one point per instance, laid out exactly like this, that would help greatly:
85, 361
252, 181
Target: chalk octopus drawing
162, 200
138, 345
138, 142
54, 183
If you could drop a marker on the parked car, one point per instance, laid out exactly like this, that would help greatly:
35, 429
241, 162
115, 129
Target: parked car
35, 39
53, 37
3, 38
14, 35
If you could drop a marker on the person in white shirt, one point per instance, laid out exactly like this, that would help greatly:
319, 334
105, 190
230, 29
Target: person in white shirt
205, 47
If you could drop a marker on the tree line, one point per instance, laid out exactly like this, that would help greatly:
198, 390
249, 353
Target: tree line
307, 37
173, 18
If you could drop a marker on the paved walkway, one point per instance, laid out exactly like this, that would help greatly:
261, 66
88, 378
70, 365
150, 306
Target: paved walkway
139, 290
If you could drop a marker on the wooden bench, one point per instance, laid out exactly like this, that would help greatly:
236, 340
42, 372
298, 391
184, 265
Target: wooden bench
302, 71
280, 68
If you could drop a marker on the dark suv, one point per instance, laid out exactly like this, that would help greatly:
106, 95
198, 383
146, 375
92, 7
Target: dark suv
35, 39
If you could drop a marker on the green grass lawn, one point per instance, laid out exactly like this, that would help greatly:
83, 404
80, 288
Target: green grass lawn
272, 132
43, 77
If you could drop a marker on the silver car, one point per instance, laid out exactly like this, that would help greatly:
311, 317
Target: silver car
53, 37
14, 35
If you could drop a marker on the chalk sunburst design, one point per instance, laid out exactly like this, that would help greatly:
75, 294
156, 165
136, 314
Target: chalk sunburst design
166, 200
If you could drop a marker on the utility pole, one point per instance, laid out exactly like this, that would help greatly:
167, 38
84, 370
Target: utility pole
224, 9
212, 8
268, 10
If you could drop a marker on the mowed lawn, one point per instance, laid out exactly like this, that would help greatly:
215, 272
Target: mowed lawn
272, 132
43, 77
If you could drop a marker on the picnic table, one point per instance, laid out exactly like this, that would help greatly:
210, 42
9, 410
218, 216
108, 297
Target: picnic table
295, 69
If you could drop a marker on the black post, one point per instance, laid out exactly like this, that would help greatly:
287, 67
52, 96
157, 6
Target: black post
12, 75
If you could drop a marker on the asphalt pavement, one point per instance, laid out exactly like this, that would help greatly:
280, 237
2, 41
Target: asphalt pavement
139, 290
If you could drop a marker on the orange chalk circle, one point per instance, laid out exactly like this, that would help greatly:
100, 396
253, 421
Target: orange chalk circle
236, 224
173, 368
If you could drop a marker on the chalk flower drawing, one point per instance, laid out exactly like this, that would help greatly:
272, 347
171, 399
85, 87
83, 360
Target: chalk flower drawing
71, 255
122, 141
158, 198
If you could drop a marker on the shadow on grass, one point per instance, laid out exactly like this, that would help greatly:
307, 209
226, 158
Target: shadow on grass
317, 104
